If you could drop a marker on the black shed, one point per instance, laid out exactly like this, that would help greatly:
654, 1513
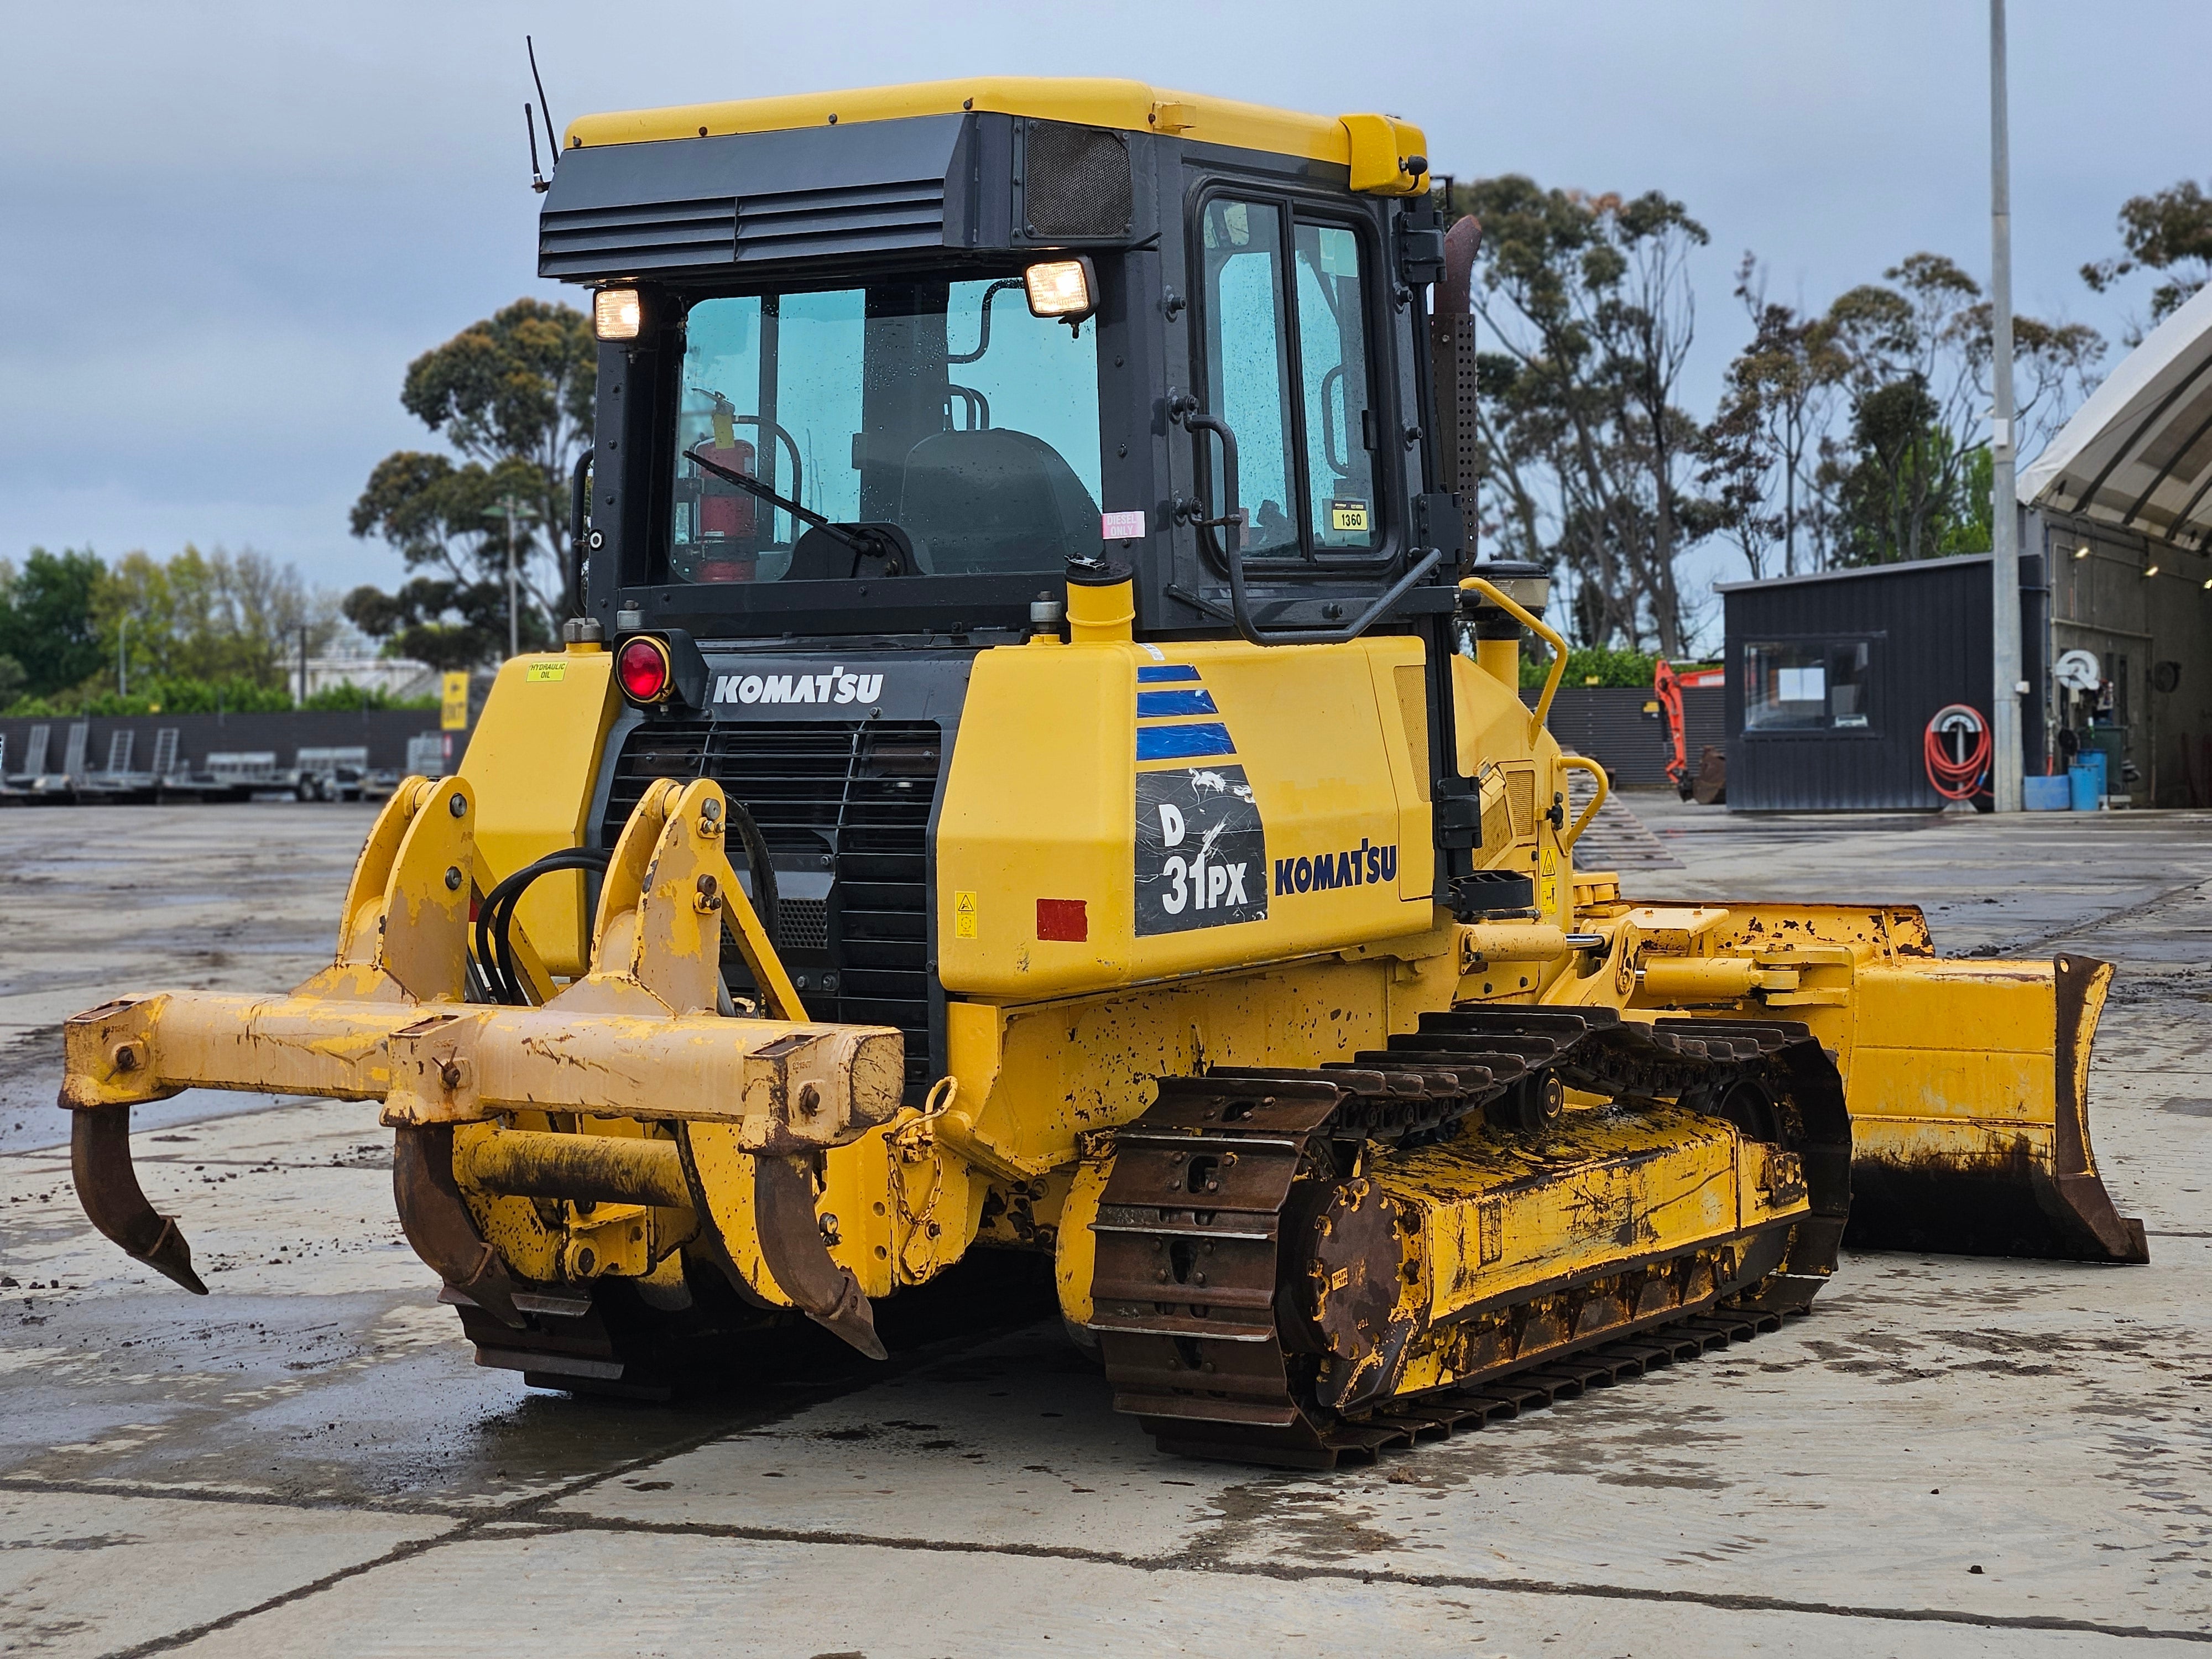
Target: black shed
1832, 679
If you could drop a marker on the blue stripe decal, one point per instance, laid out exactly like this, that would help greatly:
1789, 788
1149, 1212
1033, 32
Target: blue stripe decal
1156, 743
1175, 702
1174, 671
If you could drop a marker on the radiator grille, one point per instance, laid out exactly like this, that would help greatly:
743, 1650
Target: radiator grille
806, 924
655, 236
858, 793
1076, 181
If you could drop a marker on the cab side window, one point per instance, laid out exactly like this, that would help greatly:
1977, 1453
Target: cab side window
1284, 316
1332, 357
1248, 365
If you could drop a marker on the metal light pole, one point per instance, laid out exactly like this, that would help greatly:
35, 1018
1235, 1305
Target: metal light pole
2004, 515
123, 658
506, 509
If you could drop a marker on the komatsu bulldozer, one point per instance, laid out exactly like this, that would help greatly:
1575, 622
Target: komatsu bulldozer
1037, 765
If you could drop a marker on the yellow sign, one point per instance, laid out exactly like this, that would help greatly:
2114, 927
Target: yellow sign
1348, 517
1548, 886
453, 710
539, 672
964, 916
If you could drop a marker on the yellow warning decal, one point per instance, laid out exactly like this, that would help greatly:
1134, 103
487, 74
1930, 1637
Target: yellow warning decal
540, 671
963, 914
1547, 884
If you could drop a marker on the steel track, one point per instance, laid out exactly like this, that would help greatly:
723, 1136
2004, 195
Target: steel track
1206, 1238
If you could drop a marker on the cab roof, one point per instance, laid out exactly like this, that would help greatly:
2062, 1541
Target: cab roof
1385, 155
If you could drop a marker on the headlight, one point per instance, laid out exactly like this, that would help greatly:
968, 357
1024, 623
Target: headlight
1061, 287
617, 313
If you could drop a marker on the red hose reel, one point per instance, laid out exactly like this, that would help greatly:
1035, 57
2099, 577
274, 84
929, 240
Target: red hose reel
1957, 751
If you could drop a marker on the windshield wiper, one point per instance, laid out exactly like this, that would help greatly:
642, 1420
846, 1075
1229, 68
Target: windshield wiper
760, 491
864, 542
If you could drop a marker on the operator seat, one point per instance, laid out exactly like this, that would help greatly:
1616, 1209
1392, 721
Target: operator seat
993, 500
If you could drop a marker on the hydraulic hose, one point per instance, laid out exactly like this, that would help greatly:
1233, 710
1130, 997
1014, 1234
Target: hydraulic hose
766, 902
1960, 778
495, 920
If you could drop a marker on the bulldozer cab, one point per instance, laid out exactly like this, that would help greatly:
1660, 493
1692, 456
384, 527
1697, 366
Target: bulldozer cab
883, 366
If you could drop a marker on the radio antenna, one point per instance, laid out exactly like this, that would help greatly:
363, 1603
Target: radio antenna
538, 181
543, 108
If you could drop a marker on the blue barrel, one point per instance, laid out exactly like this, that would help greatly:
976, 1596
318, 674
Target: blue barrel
2052, 794
2086, 782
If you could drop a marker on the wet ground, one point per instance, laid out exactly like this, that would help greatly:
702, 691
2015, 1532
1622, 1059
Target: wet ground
1950, 1456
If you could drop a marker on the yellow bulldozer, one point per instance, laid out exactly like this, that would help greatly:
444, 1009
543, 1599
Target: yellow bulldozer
1037, 765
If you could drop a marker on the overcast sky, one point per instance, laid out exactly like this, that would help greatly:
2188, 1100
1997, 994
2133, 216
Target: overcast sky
230, 227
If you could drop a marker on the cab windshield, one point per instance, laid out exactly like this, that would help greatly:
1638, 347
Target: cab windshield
938, 428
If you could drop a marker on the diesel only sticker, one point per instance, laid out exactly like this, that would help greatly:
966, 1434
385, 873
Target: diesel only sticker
1202, 850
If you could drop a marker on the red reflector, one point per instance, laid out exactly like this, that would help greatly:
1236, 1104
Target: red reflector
1063, 919
643, 669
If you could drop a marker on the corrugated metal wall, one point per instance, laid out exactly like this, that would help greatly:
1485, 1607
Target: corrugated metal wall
1929, 624
1608, 724
385, 733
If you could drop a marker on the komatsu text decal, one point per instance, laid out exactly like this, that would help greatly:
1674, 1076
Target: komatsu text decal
834, 686
1369, 863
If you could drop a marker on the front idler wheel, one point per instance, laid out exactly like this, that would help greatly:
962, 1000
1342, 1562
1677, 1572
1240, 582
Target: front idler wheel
1529, 1105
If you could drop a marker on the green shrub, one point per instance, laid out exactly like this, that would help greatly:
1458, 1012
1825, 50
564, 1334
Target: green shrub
232, 695
346, 696
1588, 666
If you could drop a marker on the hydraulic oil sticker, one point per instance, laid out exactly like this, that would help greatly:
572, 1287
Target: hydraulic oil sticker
542, 672
1348, 518
1202, 850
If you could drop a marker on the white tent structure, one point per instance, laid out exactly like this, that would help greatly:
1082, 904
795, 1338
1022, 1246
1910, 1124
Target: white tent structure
2119, 506
2137, 456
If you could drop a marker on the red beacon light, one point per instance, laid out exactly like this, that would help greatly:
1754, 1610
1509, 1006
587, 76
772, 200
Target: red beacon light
646, 670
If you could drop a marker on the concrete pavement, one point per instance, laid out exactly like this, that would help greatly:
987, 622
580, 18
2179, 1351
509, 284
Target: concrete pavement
306, 1462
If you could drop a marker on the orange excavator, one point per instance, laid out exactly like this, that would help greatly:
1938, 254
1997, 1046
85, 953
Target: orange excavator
1707, 784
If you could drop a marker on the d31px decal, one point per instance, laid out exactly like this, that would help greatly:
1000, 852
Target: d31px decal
1202, 850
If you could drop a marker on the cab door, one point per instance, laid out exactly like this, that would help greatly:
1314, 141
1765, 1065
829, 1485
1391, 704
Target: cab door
1285, 320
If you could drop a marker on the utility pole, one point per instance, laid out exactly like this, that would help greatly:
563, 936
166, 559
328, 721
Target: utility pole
303, 668
123, 658
506, 509
2005, 759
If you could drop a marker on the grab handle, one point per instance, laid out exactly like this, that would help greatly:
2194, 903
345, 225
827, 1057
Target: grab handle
1543, 631
1584, 764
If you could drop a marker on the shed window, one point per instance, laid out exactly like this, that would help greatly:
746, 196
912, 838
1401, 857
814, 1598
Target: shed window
1809, 686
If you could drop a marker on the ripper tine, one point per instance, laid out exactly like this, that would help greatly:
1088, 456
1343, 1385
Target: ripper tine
107, 1187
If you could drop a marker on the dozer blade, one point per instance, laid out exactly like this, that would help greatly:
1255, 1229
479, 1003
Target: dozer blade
637, 1042
1968, 1093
